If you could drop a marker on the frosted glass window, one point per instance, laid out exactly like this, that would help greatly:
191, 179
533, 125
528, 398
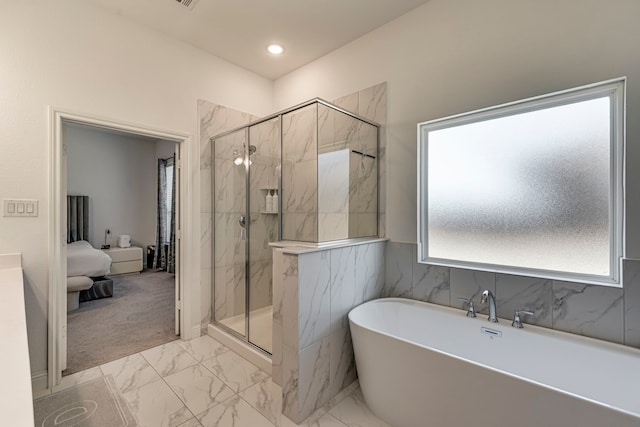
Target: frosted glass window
531, 188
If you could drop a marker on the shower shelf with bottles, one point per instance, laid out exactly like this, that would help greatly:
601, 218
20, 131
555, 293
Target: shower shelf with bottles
271, 203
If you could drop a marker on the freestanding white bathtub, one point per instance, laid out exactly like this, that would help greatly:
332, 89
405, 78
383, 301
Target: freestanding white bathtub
423, 365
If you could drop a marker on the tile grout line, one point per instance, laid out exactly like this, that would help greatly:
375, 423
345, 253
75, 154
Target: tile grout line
201, 363
166, 383
171, 388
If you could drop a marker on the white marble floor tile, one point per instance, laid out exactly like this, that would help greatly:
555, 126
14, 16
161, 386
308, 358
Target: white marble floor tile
193, 422
198, 388
234, 412
78, 378
320, 418
348, 390
130, 372
203, 348
155, 405
234, 371
168, 358
266, 398
353, 411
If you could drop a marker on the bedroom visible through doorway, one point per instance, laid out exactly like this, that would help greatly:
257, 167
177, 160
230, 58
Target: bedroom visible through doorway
129, 184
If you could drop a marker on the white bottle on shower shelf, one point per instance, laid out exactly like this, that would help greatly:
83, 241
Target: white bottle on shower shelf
275, 202
269, 201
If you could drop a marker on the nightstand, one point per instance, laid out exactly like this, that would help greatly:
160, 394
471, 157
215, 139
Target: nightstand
125, 260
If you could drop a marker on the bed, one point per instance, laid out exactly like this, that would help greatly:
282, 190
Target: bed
84, 260
87, 267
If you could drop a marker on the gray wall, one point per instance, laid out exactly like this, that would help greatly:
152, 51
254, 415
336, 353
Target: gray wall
119, 174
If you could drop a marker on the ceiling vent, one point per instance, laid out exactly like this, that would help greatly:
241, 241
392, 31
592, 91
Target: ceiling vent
189, 4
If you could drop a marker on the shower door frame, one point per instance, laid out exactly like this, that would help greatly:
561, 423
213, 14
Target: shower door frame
247, 268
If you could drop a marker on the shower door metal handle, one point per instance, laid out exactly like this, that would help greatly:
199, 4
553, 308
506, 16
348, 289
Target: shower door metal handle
242, 221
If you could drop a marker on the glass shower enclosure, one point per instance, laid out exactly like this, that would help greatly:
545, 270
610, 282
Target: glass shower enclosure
307, 174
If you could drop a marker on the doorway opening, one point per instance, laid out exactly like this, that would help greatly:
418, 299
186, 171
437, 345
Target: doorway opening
142, 240
129, 213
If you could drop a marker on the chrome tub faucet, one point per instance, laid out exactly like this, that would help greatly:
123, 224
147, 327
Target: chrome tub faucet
487, 297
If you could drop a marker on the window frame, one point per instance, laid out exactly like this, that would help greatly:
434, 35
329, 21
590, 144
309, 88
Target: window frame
615, 90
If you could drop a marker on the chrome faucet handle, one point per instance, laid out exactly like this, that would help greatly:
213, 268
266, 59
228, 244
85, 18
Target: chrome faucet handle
471, 312
517, 323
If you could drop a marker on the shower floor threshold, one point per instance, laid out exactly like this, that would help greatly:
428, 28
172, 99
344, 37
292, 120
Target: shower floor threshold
260, 326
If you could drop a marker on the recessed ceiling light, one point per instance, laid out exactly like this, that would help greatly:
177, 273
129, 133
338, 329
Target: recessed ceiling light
275, 49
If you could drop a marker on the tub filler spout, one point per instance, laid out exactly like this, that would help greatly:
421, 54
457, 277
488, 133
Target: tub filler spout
487, 297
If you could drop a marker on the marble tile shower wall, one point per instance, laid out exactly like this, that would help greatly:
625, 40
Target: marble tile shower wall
229, 204
313, 294
300, 169
606, 313
352, 214
363, 201
214, 119
371, 103
300, 174
333, 195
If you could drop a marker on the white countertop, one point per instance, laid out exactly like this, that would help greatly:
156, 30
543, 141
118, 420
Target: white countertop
16, 398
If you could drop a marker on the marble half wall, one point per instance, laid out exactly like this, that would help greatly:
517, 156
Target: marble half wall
602, 312
314, 290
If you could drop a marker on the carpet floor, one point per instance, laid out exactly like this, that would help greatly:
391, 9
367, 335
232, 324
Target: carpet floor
140, 315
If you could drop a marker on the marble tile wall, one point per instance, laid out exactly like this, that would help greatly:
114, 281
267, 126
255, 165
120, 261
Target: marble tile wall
371, 103
313, 354
300, 174
338, 132
215, 119
363, 194
607, 313
333, 195
320, 129
229, 196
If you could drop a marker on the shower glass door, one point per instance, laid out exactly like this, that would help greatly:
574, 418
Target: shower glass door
264, 174
246, 171
230, 222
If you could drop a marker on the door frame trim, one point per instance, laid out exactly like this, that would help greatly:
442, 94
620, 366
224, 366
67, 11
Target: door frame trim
57, 301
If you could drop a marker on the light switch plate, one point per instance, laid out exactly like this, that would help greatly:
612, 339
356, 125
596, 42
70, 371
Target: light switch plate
20, 208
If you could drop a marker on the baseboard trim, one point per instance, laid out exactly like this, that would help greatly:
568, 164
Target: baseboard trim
39, 386
254, 356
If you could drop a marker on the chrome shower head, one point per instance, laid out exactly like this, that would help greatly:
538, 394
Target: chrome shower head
238, 155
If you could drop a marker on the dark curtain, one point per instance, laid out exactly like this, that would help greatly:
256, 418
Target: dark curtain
165, 245
77, 218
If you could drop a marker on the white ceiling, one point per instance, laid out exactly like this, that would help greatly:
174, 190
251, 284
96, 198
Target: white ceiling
240, 30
